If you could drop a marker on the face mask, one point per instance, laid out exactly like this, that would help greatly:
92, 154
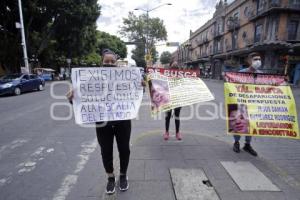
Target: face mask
108, 65
256, 64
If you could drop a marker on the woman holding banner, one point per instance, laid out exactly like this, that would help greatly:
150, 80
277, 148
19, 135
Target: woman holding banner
106, 131
173, 64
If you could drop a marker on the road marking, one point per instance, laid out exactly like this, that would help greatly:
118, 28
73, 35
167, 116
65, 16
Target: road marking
248, 177
66, 186
11, 146
71, 179
6, 180
38, 152
50, 150
31, 163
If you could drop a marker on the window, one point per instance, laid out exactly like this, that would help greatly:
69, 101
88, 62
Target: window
33, 77
258, 33
219, 47
236, 15
293, 29
295, 3
25, 77
246, 11
234, 40
272, 26
275, 3
260, 5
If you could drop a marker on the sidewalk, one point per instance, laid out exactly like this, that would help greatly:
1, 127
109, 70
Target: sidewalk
152, 158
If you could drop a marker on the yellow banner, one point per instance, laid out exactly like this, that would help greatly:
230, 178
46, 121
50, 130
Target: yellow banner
261, 110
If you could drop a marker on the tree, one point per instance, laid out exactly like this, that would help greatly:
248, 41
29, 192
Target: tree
165, 57
138, 55
53, 29
105, 40
140, 29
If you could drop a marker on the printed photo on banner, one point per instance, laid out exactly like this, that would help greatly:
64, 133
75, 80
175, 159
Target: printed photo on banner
106, 94
264, 107
238, 118
159, 93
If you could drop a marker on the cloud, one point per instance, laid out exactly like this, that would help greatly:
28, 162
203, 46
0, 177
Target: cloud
179, 18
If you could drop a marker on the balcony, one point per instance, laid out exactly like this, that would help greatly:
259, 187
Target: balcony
233, 23
199, 43
205, 40
218, 34
228, 47
273, 7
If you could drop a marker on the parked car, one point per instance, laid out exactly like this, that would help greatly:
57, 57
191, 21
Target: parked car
45, 73
19, 83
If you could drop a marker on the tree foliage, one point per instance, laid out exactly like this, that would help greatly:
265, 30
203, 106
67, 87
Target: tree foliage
165, 57
140, 29
54, 29
105, 40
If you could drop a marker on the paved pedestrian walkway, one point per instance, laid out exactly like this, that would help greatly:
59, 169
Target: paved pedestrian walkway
152, 158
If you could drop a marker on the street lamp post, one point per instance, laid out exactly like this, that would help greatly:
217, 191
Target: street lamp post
69, 66
23, 37
147, 50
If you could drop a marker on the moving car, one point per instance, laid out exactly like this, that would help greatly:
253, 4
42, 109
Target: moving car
19, 83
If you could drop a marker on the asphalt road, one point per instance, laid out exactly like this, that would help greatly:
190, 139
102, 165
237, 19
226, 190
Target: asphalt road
45, 155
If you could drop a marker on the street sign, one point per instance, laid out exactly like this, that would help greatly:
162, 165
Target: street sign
172, 44
68, 60
148, 57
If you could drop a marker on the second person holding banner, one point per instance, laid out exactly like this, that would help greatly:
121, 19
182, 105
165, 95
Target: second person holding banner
237, 119
173, 64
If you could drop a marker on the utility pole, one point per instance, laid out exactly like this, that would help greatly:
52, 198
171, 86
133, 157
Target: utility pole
23, 38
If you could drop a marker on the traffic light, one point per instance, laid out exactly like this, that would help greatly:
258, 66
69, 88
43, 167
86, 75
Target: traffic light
172, 44
148, 57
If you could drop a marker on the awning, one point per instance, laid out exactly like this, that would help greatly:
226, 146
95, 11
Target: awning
271, 45
201, 60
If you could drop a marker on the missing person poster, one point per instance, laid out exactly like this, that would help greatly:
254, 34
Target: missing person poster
260, 105
167, 93
106, 93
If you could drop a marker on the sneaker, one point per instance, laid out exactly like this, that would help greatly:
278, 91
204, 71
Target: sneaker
178, 136
236, 147
111, 184
250, 150
123, 183
166, 135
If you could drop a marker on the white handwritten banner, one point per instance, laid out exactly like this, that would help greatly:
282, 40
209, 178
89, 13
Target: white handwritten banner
106, 93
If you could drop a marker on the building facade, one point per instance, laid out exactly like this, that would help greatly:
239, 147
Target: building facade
271, 27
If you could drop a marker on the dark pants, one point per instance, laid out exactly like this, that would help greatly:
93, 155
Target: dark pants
121, 130
238, 137
177, 120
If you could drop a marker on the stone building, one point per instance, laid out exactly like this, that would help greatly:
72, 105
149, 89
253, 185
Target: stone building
271, 27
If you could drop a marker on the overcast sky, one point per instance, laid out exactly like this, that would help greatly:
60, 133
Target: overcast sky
179, 18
